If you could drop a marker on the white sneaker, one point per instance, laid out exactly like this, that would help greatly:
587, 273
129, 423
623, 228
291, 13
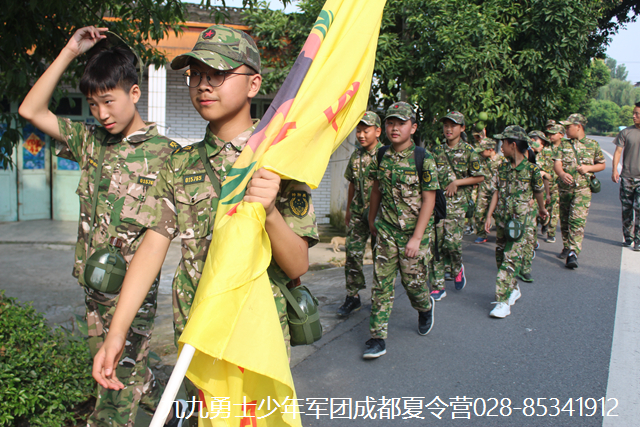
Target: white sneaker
501, 310
515, 295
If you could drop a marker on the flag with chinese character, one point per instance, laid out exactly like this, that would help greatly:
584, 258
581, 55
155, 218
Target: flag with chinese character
233, 324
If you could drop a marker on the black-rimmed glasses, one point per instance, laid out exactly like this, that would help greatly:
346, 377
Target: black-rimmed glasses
215, 78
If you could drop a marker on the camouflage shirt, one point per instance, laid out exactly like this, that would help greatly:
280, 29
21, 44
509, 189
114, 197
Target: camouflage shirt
589, 153
402, 188
358, 173
183, 202
488, 168
466, 162
516, 187
546, 163
130, 166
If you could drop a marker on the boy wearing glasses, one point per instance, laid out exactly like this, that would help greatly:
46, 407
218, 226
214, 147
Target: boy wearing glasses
118, 162
223, 77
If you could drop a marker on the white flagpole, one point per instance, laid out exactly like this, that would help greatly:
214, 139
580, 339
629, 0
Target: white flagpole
170, 392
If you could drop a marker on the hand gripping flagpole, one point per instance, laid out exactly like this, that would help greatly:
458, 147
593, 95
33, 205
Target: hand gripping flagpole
171, 390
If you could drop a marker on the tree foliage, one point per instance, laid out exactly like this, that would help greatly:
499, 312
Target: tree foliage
622, 92
617, 71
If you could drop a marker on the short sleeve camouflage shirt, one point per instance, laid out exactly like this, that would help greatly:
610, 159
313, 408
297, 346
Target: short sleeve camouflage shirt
130, 166
516, 187
546, 163
466, 163
589, 153
358, 173
402, 188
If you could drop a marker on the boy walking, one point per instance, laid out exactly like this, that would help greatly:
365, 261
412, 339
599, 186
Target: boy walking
489, 162
223, 77
357, 215
406, 192
119, 161
459, 170
555, 134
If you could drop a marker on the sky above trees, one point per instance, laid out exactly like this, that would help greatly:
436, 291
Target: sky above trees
624, 49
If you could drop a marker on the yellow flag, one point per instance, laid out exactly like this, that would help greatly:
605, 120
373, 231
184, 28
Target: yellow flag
240, 363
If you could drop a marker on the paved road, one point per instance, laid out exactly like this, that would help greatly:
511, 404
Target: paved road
556, 344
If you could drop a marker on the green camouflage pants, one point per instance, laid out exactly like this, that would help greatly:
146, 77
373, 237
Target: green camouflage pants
531, 240
482, 207
119, 408
436, 274
281, 305
574, 208
449, 232
357, 236
508, 260
389, 258
630, 199
554, 210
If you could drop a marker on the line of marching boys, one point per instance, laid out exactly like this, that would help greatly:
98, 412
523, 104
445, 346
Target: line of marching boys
538, 178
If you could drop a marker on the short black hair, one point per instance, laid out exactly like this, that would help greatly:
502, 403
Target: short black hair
108, 69
638, 104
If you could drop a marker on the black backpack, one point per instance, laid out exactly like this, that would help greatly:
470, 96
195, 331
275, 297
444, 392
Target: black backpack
440, 209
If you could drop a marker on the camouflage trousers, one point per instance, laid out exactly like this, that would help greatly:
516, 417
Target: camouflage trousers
119, 408
482, 208
390, 257
449, 234
574, 208
553, 207
357, 236
281, 305
630, 199
531, 240
509, 260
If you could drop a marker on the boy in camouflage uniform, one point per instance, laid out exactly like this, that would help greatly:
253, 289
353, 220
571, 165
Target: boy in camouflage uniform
575, 161
130, 153
515, 185
357, 215
545, 160
184, 199
628, 141
489, 162
403, 231
459, 170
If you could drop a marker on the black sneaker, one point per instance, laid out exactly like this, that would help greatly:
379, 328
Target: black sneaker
425, 319
525, 277
544, 229
636, 246
350, 305
627, 243
572, 260
564, 253
375, 348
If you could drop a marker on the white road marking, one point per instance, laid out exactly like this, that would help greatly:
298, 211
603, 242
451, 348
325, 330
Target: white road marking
624, 367
611, 157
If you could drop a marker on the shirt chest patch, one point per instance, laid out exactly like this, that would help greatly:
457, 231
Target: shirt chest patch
194, 178
147, 182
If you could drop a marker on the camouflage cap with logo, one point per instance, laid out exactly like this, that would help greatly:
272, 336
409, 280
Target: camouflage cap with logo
455, 117
550, 122
556, 129
222, 48
371, 119
513, 132
575, 119
487, 144
539, 134
401, 110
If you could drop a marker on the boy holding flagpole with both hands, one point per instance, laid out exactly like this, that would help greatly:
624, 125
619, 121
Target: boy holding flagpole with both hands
223, 77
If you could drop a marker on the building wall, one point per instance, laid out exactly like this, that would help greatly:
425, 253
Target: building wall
184, 124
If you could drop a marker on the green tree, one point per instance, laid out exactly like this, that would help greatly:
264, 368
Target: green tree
604, 116
626, 115
622, 92
617, 71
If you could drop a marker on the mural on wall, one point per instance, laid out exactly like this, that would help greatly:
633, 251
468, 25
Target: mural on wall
33, 148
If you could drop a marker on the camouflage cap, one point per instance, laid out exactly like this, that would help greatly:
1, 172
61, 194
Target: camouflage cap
556, 129
401, 110
513, 132
550, 122
487, 144
575, 119
455, 117
539, 134
222, 48
371, 119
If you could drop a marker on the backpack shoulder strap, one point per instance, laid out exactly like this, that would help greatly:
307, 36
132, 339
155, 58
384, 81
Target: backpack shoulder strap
381, 152
418, 156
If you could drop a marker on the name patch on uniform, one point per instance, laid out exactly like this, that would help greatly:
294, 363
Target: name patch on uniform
299, 203
410, 173
475, 165
194, 179
426, 177
440, 164
92, 162
184, 149
147, 182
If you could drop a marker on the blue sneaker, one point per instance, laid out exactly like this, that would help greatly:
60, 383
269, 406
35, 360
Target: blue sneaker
438, 294
480, 240
460, 280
